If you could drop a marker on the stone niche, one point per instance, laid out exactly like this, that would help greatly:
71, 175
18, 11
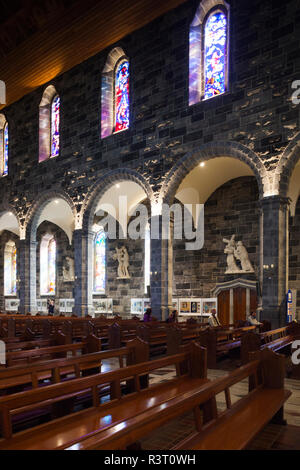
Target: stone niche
231, 209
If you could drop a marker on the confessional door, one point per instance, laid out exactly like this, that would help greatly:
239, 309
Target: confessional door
235, 304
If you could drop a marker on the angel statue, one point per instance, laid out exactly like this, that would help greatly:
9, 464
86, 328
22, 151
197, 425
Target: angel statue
123, 259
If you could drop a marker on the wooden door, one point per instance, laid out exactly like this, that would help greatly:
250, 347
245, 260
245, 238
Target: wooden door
224, 307
239, 304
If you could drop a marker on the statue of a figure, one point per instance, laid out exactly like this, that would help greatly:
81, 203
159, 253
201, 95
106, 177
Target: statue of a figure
237, 251
241, 254
229, 251
68, 269
123, 259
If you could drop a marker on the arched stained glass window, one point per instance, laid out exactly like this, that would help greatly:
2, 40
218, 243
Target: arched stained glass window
100, 262
55, 110
5, 150
147, 258
122, 96
48, 265
208, 51
215, 42
10, 269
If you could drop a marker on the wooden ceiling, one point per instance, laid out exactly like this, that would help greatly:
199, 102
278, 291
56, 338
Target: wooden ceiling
40, 40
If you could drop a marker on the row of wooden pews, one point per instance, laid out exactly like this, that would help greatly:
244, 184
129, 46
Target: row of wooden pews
122, 406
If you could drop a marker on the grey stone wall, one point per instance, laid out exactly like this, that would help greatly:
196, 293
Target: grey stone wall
256, 111
294, 255
231, 209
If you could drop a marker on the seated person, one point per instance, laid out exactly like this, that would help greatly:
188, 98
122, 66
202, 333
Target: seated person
252, 319
172, 317
148, 315
213, 320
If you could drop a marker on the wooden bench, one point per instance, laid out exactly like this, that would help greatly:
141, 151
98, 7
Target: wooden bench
229, 429
217, 341
92, 344
275, 340
63, 432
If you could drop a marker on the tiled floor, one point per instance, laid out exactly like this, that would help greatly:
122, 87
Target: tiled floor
272, 437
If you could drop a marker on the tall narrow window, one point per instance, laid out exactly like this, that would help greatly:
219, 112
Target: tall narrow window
115, 97
48, 265
5, 151
10, 269
4, 143
49, 121
208, 57
215, 54
147, 258
100, 262
55, 109
122, 96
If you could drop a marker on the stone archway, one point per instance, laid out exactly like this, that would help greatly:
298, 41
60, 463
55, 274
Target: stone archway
29, 245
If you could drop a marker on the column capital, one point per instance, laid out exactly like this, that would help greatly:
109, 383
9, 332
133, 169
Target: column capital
274, 201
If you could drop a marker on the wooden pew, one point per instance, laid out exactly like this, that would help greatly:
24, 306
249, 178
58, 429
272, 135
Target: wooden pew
56, 370
217, 341
63, 432
231, 429
275, 340
91, 344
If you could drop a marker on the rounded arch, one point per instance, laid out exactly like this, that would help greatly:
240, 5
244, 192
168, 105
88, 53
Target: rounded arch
33, 215
207, 152
286, 166
9, 219
103, 184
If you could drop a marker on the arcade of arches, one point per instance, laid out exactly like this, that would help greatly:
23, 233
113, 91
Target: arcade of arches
60, 254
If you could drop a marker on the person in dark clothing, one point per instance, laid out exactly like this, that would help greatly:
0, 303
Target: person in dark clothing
148, 315
172, 318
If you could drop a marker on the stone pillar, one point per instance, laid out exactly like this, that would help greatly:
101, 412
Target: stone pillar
275, 259
86, 271
23, 277
78, 273
31, 249
161, 273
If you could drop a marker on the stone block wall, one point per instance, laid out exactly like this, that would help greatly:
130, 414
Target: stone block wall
231, 209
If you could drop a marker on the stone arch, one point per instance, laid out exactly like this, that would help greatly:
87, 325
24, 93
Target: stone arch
37, 207
6, 208
103, 184
286, 165
207, 152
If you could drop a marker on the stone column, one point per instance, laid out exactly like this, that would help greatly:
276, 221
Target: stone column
161, 272
86, 273
31, 269
80, 282
275, 259
22, 277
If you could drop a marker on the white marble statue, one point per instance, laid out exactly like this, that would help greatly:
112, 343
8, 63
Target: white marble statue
68, 270
242, 255
229, 251
123, 259
237, 251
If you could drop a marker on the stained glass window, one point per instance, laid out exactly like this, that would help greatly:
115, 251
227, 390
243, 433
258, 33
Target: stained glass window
5, 150
48, 265
147, 258
99, 262
122, 97
10, 269
215, 49
55, 110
